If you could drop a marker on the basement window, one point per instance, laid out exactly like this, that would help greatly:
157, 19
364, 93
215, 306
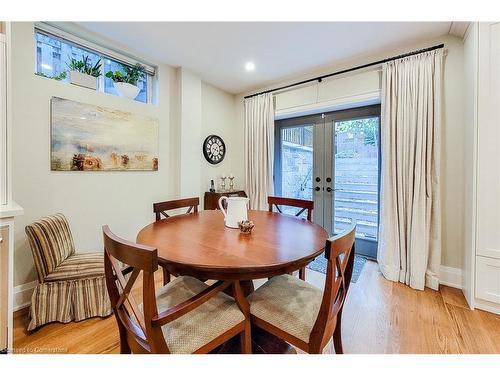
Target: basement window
55, 49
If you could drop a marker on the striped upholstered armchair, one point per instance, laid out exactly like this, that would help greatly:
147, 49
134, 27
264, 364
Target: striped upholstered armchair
71, 285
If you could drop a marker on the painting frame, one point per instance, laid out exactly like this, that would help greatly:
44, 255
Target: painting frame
87, 137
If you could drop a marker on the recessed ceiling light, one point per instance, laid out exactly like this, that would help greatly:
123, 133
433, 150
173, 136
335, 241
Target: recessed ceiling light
249, 66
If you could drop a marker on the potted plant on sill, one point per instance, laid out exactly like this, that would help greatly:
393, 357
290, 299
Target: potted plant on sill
58, 77
83, 73
126, 82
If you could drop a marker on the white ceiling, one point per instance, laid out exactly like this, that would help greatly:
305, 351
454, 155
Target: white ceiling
218, 51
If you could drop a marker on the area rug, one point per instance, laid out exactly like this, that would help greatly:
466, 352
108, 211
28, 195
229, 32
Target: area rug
319, 264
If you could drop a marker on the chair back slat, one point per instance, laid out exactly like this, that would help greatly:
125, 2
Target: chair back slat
291, 202
339, 252
123, 315
161, 208
126, 299
128, 287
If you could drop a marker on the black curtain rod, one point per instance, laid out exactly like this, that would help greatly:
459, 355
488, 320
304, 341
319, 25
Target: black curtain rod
320, 78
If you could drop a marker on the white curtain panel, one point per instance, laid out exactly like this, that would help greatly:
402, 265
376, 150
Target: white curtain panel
259, 149
409, 247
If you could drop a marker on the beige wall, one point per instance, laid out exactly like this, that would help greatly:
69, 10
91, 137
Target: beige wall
203, 110
190, 132
453, 155
363, 86
218, 115
122, 200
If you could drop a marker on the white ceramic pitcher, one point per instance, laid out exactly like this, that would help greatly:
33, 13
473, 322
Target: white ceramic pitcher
236, 210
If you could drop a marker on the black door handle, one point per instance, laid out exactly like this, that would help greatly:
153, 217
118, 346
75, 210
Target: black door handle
317, 188
329, 189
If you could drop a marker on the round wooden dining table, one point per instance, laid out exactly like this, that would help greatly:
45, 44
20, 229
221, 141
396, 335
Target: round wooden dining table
200, 245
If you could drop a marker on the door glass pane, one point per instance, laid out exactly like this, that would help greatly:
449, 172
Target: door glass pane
356, 176
296, 164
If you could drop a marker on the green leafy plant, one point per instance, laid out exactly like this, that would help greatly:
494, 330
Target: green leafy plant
368, 126
131, 74
58, 77
85, 66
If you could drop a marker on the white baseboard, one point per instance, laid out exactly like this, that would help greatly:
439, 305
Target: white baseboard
22, 295
450, 276
487, 306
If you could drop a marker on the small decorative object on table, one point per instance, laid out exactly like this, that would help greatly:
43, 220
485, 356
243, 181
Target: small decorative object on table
212, 187
246, 226
223, 183
231, 182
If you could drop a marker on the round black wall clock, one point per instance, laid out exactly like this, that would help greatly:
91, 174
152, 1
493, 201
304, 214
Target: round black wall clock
214, 149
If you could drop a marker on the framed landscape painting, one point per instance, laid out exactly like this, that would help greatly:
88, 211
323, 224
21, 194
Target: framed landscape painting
86, 137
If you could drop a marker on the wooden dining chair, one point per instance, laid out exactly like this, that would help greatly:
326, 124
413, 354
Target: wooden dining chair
276, 202
161, 208
302, 314
291, 202
194, 317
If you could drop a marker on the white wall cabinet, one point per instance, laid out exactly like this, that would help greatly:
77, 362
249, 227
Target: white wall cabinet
488, 279
4, 282
8, 208
481, 263
4, 230
4, 191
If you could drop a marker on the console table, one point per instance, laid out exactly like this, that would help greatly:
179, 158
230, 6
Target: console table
211, 201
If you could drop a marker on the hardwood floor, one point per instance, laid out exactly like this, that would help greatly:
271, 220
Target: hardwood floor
379, 317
